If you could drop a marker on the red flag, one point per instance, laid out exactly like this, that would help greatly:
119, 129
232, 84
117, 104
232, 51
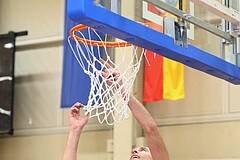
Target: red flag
153, 77
163, 78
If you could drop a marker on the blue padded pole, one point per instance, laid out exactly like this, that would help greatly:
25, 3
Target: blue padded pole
105, 21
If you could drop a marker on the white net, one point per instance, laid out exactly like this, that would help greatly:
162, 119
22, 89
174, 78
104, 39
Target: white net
109, 96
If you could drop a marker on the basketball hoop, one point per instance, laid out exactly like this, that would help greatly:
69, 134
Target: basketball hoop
106, 101
100, 43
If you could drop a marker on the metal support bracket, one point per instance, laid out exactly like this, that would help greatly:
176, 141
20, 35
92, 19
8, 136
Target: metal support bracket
176, 30
181, 34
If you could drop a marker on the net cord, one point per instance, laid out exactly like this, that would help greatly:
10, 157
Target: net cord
110, 104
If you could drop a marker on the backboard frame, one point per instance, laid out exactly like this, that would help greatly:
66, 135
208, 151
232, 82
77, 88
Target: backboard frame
87, 13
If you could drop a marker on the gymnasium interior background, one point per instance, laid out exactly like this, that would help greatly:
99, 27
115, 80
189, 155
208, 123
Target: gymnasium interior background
203, 125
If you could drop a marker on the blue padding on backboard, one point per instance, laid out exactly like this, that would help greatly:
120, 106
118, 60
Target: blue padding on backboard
75, 83
105, 21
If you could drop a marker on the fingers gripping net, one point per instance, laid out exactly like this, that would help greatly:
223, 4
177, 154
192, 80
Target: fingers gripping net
110, 90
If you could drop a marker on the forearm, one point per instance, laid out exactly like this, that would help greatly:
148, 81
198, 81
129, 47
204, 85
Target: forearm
154, 140
141, 114
70, 152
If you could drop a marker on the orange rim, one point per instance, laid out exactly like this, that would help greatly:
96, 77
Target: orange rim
94, 42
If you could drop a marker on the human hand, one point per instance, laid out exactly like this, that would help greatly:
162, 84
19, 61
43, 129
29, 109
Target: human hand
77, 121
111, 74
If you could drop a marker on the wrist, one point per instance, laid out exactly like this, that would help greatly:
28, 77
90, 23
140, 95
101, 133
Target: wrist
76, 129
